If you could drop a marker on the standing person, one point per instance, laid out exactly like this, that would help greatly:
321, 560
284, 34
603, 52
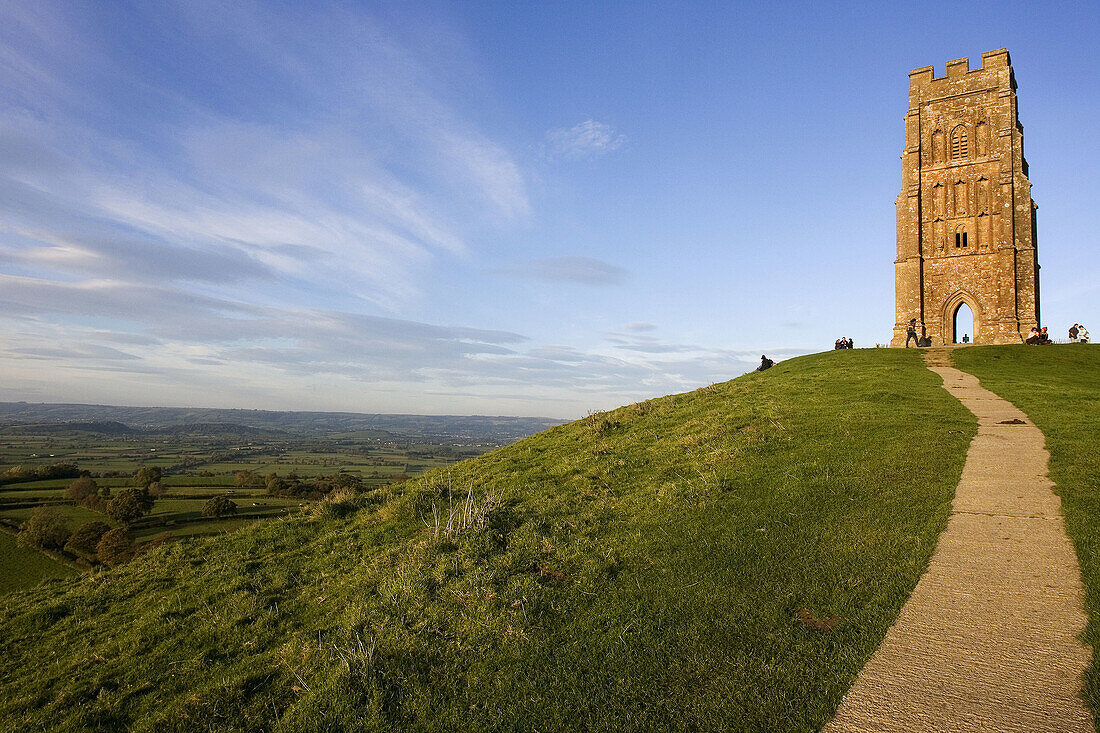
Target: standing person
1073, 331
911, 333
966, 338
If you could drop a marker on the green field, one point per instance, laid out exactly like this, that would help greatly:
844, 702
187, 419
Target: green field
197, 467
643, 569
22, 568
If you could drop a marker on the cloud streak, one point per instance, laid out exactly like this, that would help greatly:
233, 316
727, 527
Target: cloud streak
371, 183
584, 141
579, 270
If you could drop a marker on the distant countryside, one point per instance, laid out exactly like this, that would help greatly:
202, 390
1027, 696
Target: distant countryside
84, 486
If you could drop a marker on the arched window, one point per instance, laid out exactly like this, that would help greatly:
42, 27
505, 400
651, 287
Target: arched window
959, 145
962, 241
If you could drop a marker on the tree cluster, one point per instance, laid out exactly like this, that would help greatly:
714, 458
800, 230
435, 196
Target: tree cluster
294, 486
47, 529
85, 492
219, 506
147, 475
129, 504
16, 474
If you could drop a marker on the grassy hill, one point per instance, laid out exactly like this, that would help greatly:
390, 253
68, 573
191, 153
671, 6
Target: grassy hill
725, 559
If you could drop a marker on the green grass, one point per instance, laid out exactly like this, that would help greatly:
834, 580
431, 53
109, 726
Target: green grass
638, 570
22, 567
77, 515
1059, 389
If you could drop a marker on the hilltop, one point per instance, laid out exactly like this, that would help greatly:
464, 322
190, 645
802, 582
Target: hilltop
722, 559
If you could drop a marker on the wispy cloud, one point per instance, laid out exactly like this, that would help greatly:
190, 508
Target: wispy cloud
240, 222
585, 140
581, 270
369, 177
182, 348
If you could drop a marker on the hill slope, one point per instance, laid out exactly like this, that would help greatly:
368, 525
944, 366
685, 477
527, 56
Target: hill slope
641, 569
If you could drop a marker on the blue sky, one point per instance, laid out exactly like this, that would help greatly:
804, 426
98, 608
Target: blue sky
484, 207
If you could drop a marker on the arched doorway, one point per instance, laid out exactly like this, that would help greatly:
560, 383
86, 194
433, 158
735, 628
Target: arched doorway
962, 324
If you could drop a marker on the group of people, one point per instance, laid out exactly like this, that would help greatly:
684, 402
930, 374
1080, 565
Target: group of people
1037, 336
843, 343
1077, 334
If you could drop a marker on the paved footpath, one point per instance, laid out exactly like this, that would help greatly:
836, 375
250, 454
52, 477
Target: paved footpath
989, 639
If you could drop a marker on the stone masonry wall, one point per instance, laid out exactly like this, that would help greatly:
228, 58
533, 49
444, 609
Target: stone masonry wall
965, 217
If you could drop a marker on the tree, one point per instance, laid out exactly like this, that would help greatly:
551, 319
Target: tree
115, 547
219, 506
147, 475
83, 541
347, 481
45, 528
249, 480
275, 485
81, 489
129, 504
97, 502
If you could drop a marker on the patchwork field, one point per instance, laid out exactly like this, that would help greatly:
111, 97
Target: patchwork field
197, 467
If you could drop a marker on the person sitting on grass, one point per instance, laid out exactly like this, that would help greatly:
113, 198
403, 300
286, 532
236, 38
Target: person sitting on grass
1043, 337
1073, 331
765, 363
1033, 336
1083, 335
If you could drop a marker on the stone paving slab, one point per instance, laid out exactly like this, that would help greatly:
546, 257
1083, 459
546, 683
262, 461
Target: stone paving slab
990, 638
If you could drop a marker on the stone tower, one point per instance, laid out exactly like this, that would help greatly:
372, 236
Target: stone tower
966, 221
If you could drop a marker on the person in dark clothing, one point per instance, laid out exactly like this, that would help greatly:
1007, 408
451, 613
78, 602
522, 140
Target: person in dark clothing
848, 344
765, 363
911, 333
838, 345
1073, 331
